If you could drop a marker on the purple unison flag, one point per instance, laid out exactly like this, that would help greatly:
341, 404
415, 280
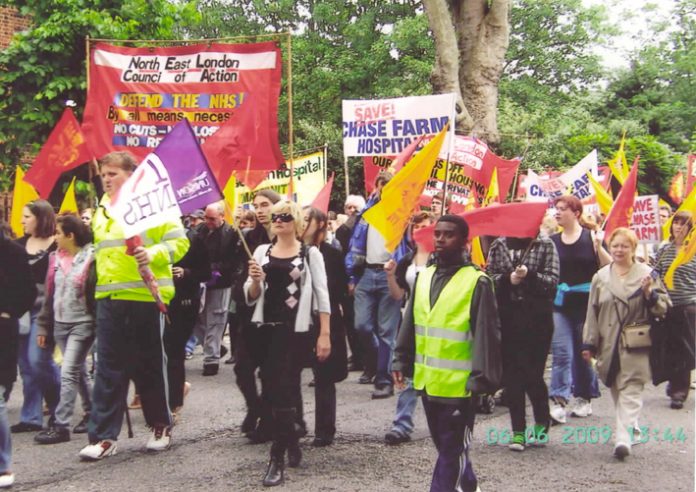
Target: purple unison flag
193, 183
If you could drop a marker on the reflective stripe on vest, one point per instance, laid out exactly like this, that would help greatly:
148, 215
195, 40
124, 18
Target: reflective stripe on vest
162, 282
444, 341
459, 365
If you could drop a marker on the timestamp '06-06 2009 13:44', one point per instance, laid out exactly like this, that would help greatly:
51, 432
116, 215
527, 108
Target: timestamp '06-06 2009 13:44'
590, 435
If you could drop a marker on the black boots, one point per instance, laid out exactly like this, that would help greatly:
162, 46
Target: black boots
274, 474
285, 439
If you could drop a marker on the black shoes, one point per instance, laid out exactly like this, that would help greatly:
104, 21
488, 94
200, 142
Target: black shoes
366, 378
384, 391
294, 454
394, 438
249, 423
320, 442
274, 474
676, 404
210, 369
81, 427
24, 427
54, 435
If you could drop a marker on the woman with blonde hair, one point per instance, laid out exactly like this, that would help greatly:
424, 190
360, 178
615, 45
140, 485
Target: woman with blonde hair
623, 298
286, 280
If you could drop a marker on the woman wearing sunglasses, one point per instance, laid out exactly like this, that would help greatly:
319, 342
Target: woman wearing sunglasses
286, 284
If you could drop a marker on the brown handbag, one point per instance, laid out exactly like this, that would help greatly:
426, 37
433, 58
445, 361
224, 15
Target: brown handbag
634, 335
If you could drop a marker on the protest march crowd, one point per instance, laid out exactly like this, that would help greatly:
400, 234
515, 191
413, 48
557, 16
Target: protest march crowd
422, 320
432, 286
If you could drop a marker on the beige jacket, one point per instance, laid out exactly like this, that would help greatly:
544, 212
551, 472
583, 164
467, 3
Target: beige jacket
602, 325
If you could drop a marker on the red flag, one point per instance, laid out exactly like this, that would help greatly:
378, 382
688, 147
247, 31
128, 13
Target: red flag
65, 149
676, 188
322, 199
511, 219
242, 143
425, 201
251, 179
621, 211
405, 155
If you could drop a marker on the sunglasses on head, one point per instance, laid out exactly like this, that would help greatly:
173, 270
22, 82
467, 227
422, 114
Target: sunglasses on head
284, 217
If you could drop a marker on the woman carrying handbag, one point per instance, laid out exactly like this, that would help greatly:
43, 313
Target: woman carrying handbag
624, 296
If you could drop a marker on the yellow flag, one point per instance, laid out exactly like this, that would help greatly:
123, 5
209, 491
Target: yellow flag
684, 255
477, 257
23, 194
230, 194
69, 202
604, 198
689, 204
493, 193
619, 164
390, 216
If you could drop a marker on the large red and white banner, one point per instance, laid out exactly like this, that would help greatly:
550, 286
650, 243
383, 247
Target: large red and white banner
137, 95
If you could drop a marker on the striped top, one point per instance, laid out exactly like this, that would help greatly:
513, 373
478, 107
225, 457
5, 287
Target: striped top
684, 278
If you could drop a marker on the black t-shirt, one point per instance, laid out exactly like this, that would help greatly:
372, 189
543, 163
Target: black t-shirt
578, 265
283, 288
38, 262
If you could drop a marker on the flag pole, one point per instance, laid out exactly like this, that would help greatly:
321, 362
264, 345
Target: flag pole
236, 228
345, 173
444, 186
326, 161
93, 165
291, 135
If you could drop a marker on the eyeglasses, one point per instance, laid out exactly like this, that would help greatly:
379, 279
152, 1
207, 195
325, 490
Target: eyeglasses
284, 217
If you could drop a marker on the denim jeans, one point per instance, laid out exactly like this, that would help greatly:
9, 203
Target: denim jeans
570, 373
405, 408
75, 341
40, 376
377, 316
5, 435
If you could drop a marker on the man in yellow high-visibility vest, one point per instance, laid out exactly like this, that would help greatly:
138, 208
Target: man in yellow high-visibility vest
450, 342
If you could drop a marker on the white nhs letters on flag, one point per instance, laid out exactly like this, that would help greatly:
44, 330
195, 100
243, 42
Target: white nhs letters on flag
146, 199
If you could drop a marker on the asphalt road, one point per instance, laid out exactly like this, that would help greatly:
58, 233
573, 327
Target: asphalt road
209, 453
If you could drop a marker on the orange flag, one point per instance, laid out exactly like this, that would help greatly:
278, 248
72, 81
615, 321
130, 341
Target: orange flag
65, 149
621, 211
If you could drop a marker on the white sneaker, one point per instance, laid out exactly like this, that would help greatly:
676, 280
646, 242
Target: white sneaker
160, 440
558, 412
582, 408
97, 451
6, 480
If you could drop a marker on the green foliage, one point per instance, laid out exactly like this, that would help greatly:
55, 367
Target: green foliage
45, 65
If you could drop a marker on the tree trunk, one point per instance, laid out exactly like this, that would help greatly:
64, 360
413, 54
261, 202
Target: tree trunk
471, 38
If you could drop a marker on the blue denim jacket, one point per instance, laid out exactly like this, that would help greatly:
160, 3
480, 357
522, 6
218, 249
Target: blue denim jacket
357, 249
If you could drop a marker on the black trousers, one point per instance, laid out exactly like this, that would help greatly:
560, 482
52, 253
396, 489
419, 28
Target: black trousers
451, 427
356, 349
183, 314
250, 352
130, 347
526, 339
325, 406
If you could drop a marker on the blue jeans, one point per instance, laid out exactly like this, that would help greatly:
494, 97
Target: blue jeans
5, 435
405, 408
40, 376
191, 344
377, 316
569, 372
75, 341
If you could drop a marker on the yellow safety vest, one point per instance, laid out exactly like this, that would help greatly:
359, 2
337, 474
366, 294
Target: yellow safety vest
443, 336
117, 272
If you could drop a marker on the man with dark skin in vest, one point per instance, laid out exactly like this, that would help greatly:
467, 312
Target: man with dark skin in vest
450, 343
